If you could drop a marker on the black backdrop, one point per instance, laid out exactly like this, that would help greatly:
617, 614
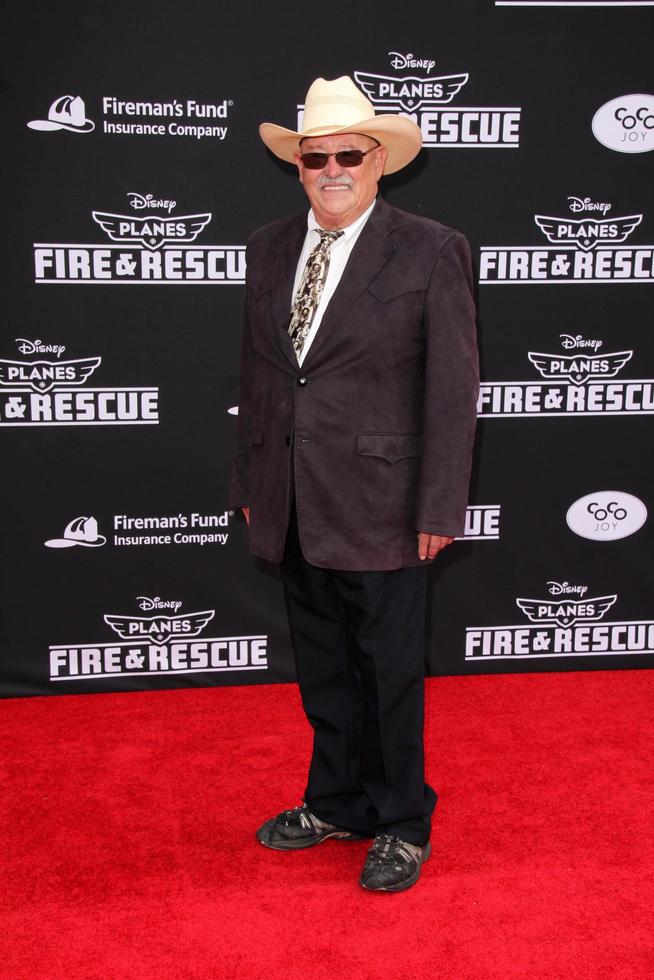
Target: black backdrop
122, 261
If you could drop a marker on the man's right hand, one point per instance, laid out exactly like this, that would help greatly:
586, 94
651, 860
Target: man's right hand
246, 515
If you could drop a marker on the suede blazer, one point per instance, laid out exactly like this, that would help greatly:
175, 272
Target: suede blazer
374, 433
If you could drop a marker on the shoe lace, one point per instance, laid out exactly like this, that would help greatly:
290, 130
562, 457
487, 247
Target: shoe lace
386, 849
306, 819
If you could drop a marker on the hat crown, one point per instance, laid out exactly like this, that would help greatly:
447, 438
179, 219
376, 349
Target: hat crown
68, 109
82, 529
332, 105
338, 106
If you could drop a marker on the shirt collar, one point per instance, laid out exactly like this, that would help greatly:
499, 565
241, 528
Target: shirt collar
348, 232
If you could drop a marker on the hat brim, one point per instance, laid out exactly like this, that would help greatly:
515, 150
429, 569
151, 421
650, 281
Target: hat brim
87, 127
73, 542
401, 137
47, 126
44, 125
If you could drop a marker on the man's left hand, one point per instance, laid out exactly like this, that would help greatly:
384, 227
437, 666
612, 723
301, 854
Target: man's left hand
430, 544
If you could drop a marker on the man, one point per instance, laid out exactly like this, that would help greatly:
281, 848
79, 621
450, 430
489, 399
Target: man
358, 389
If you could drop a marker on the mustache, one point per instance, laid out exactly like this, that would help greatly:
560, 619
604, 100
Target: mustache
341, 179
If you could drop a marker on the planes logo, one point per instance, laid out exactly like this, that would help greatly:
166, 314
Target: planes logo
164, 643
580, 250
45, 392
43, 376
410, 92
154, 249
153, 232
579, 369
567, 612
160, 628
586, 234
429, 101
571, 626
573, 385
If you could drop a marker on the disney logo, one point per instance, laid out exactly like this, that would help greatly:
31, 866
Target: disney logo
569, 342
140, 201
410, 61
585, 204
157, 603
564, 588
38, 347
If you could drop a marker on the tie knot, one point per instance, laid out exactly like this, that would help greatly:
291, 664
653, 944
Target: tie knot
327, 237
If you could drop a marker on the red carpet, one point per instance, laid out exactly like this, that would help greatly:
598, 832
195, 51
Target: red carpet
128, 848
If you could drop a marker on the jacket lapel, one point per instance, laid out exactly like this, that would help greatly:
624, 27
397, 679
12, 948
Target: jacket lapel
371, 251
283, 279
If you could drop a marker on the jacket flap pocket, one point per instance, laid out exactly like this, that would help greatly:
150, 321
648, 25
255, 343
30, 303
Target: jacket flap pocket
256, 437
391, 446
385, 289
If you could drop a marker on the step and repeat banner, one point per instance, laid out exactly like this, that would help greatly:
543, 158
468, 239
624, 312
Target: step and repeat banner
135, 176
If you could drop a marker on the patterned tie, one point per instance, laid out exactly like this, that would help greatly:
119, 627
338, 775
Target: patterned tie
310, 289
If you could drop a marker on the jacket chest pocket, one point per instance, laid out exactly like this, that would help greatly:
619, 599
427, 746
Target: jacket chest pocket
394, 310
409, 288
390, 446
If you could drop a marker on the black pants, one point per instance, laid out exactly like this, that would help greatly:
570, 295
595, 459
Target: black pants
359, 642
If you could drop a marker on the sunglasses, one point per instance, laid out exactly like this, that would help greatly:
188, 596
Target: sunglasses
344, 158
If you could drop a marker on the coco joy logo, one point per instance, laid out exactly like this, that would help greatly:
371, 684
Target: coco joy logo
606, 515
626, 124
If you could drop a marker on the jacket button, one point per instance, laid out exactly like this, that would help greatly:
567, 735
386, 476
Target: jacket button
288, 440
302, 380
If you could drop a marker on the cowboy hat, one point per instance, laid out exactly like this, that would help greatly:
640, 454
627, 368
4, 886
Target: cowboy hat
338, 106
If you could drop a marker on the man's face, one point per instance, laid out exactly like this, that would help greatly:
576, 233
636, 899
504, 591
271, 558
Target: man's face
339, 195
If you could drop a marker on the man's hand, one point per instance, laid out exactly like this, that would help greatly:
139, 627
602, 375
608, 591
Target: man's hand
246, 515
430, 544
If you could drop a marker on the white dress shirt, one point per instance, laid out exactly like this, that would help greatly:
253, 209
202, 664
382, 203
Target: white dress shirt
338, 256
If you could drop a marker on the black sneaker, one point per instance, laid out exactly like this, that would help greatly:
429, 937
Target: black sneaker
297, 828
392, 864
